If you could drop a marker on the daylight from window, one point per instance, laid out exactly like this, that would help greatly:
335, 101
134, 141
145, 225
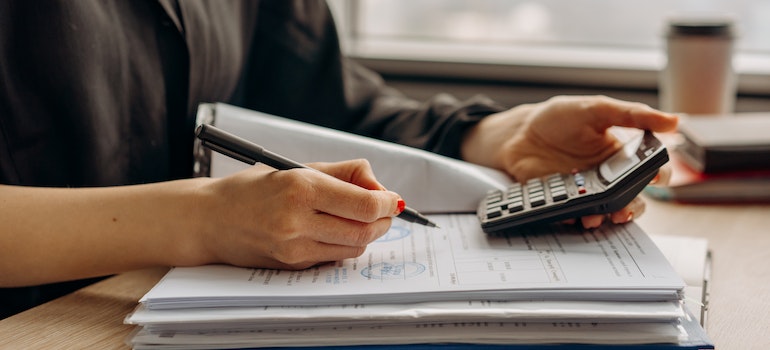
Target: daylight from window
595, 23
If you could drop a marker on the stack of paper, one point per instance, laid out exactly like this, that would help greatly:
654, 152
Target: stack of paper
417, 285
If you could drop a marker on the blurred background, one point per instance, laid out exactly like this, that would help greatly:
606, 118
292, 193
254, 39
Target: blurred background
520, 51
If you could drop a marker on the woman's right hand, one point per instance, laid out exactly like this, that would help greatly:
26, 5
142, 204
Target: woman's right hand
294, 219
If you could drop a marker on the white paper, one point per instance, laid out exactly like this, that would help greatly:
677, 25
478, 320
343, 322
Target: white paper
690, 258
253, 318
427, 181
413, 263
468, 333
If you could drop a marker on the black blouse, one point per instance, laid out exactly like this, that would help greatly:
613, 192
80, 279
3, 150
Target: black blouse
104, 93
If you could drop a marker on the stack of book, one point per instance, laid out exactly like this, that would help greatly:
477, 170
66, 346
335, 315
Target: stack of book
420, 287
720, 159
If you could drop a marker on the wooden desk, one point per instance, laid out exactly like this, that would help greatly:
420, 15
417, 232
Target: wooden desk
739, 238
739, 316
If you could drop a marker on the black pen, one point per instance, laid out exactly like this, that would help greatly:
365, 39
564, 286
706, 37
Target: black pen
251, 153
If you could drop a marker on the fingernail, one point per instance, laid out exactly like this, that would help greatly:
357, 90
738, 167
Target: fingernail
655, 179
401, 206
630, 216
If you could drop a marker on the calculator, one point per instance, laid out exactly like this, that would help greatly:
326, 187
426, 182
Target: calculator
606, 188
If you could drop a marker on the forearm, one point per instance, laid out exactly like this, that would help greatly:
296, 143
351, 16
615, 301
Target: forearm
55, 234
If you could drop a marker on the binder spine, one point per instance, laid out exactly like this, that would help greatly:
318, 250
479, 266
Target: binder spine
206, 114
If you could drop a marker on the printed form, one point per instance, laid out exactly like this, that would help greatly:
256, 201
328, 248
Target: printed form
413, 263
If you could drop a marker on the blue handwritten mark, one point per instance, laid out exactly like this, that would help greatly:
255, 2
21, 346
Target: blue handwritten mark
388, 271
394, 233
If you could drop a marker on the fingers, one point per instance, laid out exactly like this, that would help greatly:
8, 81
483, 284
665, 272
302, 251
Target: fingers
358, 196
633, 210
663, 177
611, 112
297, 218
349, 201
355, 171
592, 221
310, 253
332, 230
327, 238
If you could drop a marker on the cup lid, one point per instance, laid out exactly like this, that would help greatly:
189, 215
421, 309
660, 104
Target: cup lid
701, 26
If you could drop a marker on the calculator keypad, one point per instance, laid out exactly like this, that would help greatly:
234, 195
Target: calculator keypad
535, 193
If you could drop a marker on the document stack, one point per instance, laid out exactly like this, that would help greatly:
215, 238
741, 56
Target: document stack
720, 159
454, 287
418, 287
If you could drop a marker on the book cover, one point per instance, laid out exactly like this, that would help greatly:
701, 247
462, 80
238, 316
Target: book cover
726, 144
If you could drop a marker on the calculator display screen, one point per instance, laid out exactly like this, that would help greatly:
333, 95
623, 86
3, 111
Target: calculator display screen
622, 161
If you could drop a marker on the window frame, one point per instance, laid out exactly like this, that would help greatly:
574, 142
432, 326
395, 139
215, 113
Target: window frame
605, 67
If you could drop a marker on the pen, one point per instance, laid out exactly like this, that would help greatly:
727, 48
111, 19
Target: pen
248, 152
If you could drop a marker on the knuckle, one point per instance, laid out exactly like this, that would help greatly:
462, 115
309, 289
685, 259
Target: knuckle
298, 188
361, 163
286, 228
366, 234
286, 244
558, 99
368, 207
356, 163
594, 101
291, 256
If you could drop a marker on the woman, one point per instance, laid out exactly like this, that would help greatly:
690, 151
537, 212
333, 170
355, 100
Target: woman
96, 128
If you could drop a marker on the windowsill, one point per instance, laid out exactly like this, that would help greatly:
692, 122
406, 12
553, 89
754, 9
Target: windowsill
602, 67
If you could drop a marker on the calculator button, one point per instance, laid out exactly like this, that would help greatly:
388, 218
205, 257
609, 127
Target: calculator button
494, 213
537, 201
559, 195
579, 180
555, 180
515, 206
537, 192
493, 207
494, 198
558, 188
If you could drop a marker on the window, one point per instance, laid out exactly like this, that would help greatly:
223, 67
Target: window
598, 42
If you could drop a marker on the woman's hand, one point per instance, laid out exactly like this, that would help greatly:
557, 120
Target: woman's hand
297, 218
558, 135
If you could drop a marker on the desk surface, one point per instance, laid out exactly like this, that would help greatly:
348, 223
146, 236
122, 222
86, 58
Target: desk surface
738, 317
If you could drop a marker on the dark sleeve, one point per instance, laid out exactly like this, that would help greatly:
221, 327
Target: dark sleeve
296, 70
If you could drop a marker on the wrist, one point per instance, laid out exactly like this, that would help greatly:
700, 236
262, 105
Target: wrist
486, 143
188, 242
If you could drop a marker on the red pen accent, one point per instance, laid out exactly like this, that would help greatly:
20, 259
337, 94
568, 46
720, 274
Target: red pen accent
401, 206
